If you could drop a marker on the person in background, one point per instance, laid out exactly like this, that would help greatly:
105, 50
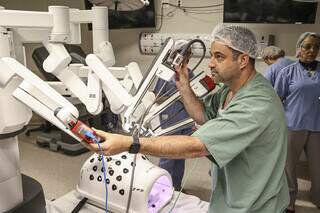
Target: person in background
172, 115
298, 86
274, 57
243, 129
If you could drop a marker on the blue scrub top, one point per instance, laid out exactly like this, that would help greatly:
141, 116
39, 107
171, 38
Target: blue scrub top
300, 92
273, 70
176, 109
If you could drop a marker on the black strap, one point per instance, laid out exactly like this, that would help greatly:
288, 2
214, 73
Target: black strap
80, 205
12, 134
211, 158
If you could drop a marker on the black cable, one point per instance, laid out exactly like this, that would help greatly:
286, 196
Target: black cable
188, 45
206, 12
184, 7
131, 182
196, 10
135, 155
171, 13
161, 18
188, 10
80, 205
183, 52
201, 10
213, 5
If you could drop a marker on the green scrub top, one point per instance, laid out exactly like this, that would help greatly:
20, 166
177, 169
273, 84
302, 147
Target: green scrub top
248, 140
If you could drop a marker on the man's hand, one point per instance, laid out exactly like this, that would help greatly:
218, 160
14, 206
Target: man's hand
182, 77
192, 104
113, 143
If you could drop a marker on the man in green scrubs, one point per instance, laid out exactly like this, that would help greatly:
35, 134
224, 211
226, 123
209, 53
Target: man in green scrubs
243, 129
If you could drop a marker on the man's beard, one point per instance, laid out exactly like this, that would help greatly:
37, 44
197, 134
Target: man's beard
216, 77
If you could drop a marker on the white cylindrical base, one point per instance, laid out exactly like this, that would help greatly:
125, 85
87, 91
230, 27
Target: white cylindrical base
14, 115
10, 177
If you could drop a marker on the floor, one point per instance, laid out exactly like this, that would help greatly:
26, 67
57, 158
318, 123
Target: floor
58, 173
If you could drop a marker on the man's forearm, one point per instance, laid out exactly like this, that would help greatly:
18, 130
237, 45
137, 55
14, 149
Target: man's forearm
193, 105
174, 147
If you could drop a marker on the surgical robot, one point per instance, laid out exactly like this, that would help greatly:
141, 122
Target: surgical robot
22, 92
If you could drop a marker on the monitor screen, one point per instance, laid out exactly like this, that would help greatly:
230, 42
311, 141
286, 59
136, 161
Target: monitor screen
139, 18
269, 11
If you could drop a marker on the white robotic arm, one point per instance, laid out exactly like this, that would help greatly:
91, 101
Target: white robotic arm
35, 93
44, 100
57, 26
90, 94
57, 63
131, 107
58, 60
108, 79
143, 109
132, 115
141, 105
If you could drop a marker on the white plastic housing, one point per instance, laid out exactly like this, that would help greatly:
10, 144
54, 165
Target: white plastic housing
58, 58
152, 187
61, 23
108, 80
91, 94
116, 105
14, 115
65, 116
106, 53
100, 27
135, 74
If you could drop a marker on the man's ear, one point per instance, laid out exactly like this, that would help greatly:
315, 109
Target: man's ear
243, 60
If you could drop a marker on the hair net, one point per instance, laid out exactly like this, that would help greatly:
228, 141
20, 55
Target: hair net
302, 37
236, 37
272, 52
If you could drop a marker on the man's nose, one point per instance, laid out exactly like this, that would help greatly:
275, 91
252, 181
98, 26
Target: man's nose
212, 63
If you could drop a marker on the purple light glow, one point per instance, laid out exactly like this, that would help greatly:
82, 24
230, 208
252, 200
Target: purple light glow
160, 194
